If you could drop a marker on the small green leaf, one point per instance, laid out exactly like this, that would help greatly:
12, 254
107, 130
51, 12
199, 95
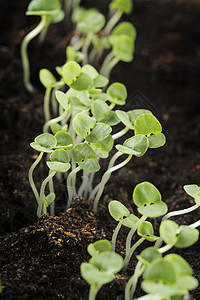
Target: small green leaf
187, 236
145, 230
90, 165
192, 189
83, 82
129, 221
43, 7
64, 140
48, 200
135, 113
44, 143
106, 144
117, 93
99, 133
57, 127
62, 99
124, 118
71, 70
98, 247
58, 166
100, 152
137, 143
168, 232
47, 78
94, 276
117, 210
82, 152
107, 261
110, 118
125, 6
153, 210
146, 193
82, 123
147, 124
127, 150
148, 255
92, 21
182, 268
78, 14
123, 47
90, 70
125, 28
76, 104
156, 140
100, 81
59, 155
99, 108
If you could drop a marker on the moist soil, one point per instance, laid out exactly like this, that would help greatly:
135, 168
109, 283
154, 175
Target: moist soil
40, 259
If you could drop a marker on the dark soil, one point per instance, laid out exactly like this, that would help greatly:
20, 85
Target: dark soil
40, 259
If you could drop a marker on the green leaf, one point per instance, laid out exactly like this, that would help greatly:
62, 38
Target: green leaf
59, 155
83, 96
162, 289
168, 232
146, 193
192, 189
124, 118
92, 21
43, 7
100, 81
110, 118
71, 70
125, 6
129, 221
187, 283
64, 140
57, 127
137, 143
117, 210
44, 143
148, 255
47, 78
99, 133
123, 47
48, 200
82, 123
94, 276
83, 82
105, 144
78, 14
100, 152
187, 236
57, 17
125, 28
98, 247
90, 165
145, 230
135, 113
127, 150
62, 99
82, 152
90, 70
99, 108
58, 166
107, 261
180, 265
157, 140
153, 210
117, 93
147, 124
76, 104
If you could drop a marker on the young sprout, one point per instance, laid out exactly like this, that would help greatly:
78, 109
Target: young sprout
101, 270
120, 7
44, 143
46, 10
99, 247
59, 162
169, 276
121, 214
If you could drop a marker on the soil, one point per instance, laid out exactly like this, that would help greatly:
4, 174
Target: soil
40, 259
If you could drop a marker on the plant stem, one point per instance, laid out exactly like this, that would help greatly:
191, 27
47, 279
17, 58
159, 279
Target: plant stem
131, 233
55, 120
180, 212
69, 185
110, 66
83, 184
46, 104
120, 133
93, 291
165, 248
42, 190
130, 253
113, 21
30, 176
43, 33
106, 177
86, 47
106, 61
114, 236
51, 189
196, 224
132, 283
24, 54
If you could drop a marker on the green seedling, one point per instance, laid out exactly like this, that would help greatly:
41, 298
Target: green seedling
99, 247
101, 270
48, 11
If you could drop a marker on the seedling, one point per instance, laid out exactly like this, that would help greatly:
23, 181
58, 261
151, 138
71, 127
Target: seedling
48, 12
101, 270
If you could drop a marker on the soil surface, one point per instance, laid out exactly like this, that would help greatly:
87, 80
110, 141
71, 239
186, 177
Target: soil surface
40, 259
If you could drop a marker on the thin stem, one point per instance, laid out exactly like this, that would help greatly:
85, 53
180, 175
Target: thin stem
110, 165
106, 61
130, 253
93, 291
86, 47
195, 225
43, 34
42, 190
110, 66
114, 236
165, 248
132, 283
113, 21
24, 54
106, 177
120, 133
69, 185
53, 121
83, 184
180, 212
30, 176
46, 104
51, 189
131, 233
